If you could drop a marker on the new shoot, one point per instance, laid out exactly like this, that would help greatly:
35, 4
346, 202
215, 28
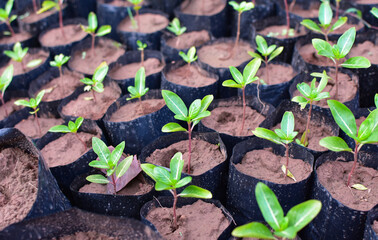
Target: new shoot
137, 6
175, 27
5, 80
189, 57
6, 17
18, 54
58, 5
141, 47
139, 89
59, 61
95, 84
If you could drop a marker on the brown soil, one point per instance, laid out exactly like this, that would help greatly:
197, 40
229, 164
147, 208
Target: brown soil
105, 50
18, 185
34, 17
11, 107
347, 26
360, 120
334, 176
204, 157
265, 165
120, 72
66, 149
277, 73
18, 37
29, 126
228, 120
59, 88
192, 76
189, 39
375, 226
54, 36
200, 7
366, 1
366, 49
17, 70
200, 220
218, 55
135, 110
312, 12
149, 23
279, 29
91, 235
91, 109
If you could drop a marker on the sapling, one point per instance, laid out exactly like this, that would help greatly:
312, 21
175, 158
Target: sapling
6, 17
197, 111
339, 51
139, 89
72, 127
374, 11
95, 84
367, 132
266, 51
171, 180
18, 55
58, 5
59, 61
5, 80
189, 57
137, 6
310, 94
92, 27
283, 136
176, 28
109, 161
141, 47
241, 81
33, 103
284, 227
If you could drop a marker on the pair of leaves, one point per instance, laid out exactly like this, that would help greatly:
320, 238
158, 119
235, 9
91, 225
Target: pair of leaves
6, 11
33, 102
242, 7
6, 78
136, 4
139, 88
72, 127
284, 226
18, 52
98, 76
141, 46
249, 72
175, 27
93, 24
59, 60
190, 56
47, 5
262, 46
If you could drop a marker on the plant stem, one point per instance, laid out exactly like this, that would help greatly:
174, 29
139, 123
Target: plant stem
237, 35
23, 66
292, 5
175, 197
326, 37
10, 28
94, 96
60, 73
190, 145
142, 56
254, 2
85, 146
114, 184
287, 158
337, 9
267, 69
35, 6
2, 101
356, 150
308, 123
244, 107
39, 125
287, 17
337, 80
61, 19
93, 44
138, 20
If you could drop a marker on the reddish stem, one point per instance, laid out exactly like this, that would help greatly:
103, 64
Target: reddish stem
39, 125
114, 184
2, 101
61, 19
337, 80
237, 34
10, 28
60, 73
93, 44
94, 96
354, 163
287, 158
190, 145
244, 107
35, 6
175, 197
337, 9
23, 66
142, 57
85, 146
138, 20
254, 2
267, 69
287, 17
308, 123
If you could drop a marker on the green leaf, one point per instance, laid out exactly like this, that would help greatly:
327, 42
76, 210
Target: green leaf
47, 5
205, 102
176, 165
376, 100
287, 123
192, 54
183, 182
276, 52
149, 170
173, 127
359, 187
339, 23
262, 46
304, 89
271, 49
373, 118
267, 134
117, 153
232, 84
356, 62
323, 47
335, 144
202, 115
343, 117
195, 192
78, 122
100, 148
174, 103
97, 178
71, 126
300, 100
302, 214
140, 80
22, 102
122, 168
238, 77
34, 63
250, 70
346, 41
374, 11
99, 164
9, 6
39, 97
255, 55
6, 78
87, 81
159, 186
100, 72
325, 13
253, 230
92, 22
194, 108
162, 175
311, 25
99, 87
365, 129
60, 128
104, 30
322, 95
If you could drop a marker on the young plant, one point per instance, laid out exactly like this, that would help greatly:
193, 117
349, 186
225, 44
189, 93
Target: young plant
6, 17
265, 52
72, 127
18, 55
141, 47
285, 227
367, 132
374, 11
337, 8
33, 103
283, 136
171, 180
325, 26
59, 61
5, 80
241, 81
58, 5
287, 17
109, 161
176, 28
197, 111
139, 89
310, 94
137, 6
189, 57
92, 27
95, 84
339, 51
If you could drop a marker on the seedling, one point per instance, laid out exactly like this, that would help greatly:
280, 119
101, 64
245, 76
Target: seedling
18, 55
72, 127
283, 136
197, 111
33, 103
339, 51
137, 6
189, 57
139, 90
265, 51
141, 47
374, 11
367, 132
6, 17
241, 81
92, 27
176, 28
59, 61
5, 80
337, 8
109, 162
95, 84
35, 6
171, 181
325, 26
285, 227
310, 94
287, 17
58, 5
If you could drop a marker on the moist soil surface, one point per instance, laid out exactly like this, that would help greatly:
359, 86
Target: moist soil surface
204, 156
137, 109
17, 70
91, 235
200, 220
200, 7
91, 109
105, 50
312, 12
366, 49
219, 55
66, 149
366, 1
228, 120
29, 126
54, 36
278, 29
11, 107
18, 185
18, 37
120, 72
333, 175
277, 73
34, 17
265, 165
191, 76
310, 55
148, 23
189, 39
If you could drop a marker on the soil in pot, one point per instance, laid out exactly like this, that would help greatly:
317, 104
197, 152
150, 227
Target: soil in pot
90, 235
204, 156
191, 76
135, 110
334, 175
375, 227
11, 107
347, 26
120, 72
200, 7
199, 220
18, 185
189, 39
312, 12
17, 37
54, 36
278, 29
29, 126
18, 69
277, 73
34, 17
148, 23
366, 49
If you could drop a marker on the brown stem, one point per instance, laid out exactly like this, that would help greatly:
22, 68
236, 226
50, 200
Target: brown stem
337, 80
292, 5
308, 123
114, 185
142, 57
287, 17
35, 6
178, 41
94, 96
326, 37
2, 101
138, 20
244, 107
23, 66
354, 163
175, 197
267, 70
60, 73
39, 125
237, 35
337, 9
190, 145
85, 146
93, 44
10, 28
287, 158
61, 19
140, 106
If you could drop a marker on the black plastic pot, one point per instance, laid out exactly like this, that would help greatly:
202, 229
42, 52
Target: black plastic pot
166, 6
335, 220
241, 199
32, 41
82, 8
365, 9
75, 220
139, 132
305, 5
189, 94
8, 96
372, 216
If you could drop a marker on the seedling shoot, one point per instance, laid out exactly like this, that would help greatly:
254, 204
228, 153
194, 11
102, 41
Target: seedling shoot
5, 80
175, 27
6, 17
18, 54
59, 61
141, 47
72, 127
137, 6
58, 5
189, 57
95, 84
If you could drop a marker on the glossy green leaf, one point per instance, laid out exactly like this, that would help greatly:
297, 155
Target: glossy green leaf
343, 117
365, 129
87, 81
78, 122
194, 108
39, 97
99, 87
339, 23
374, 11
325, 13
173, 127
60, 128
47, 5
205, 102
376, 100
287, 123
335, 144
116, 154
202, 115
71, 126
373, 118
159, 186
175, 27
262, 46
304, 89
195, 192
123, 166
251, 69
9, 6
356, 62
276, 52
104, 30
300, 100
322, 95
323, 47
162, 175
253, 230
236, 74
302, 214
174, 103
346, 41
311, 25
232, 84
6, 78
22, 102
149, 170
176, 165
97, 178
100, 148
100, 72
267, 134
254, 55
99, 164
183, 182
34, 63
92, 22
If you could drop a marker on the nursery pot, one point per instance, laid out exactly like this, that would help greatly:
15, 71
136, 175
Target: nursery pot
370, 233
29, 41
9, 96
